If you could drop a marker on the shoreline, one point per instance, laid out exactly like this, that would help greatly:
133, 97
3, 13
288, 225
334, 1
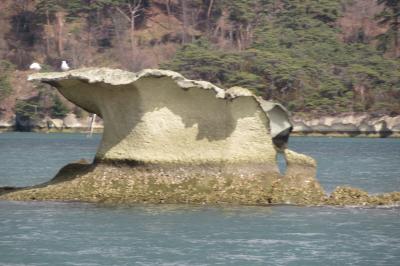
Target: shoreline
336, 134
49, 131
345, 135
343, 125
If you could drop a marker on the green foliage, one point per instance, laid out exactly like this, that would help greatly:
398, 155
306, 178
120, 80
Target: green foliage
5, 86
243, 11
58, 110
297, 58
27, 109
287, 50
46, 103
200, 60
75, 8
390, 16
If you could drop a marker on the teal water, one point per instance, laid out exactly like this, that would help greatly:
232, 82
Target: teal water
30, 158
43, 233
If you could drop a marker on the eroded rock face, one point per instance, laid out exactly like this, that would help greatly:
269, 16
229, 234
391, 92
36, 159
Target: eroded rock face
158, 116
170, 139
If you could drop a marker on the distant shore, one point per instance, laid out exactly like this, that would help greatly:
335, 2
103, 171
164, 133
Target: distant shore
348, 125
345, 125
343, 135
293, 134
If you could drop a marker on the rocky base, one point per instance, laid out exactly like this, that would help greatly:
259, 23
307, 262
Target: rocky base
121, 183
347, 196
125, 184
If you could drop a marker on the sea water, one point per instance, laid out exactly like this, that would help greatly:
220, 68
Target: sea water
51, 233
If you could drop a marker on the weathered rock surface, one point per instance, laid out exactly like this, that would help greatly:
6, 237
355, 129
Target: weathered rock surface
348, 196
7, 124
123, 183
158, 116
120, 183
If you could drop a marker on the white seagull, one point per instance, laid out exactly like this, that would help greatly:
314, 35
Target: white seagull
64, 66
35, 66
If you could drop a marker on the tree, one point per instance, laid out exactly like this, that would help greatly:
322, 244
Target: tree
58, 110
286, 50
130, 10
5, 87
390, 16
54, 10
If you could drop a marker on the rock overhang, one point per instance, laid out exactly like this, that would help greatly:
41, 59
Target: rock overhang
93, 88
117, 77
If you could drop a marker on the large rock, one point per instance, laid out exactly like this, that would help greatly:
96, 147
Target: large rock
70, 121
7, 124
158, 116
55, 123
170, 139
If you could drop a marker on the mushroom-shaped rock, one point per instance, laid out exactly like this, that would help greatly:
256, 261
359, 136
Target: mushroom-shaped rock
158, 116
191, 140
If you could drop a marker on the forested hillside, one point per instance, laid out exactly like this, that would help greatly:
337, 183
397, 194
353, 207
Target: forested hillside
315, 56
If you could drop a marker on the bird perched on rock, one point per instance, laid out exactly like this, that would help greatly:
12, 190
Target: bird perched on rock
35, 66
64, 66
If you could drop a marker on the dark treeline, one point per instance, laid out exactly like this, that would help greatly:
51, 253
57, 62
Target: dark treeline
314, 56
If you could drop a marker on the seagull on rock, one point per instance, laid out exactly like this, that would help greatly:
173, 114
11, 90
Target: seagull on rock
64, 66
35, 66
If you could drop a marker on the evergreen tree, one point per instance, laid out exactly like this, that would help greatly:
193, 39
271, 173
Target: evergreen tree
58, 109
390, 16
5, 87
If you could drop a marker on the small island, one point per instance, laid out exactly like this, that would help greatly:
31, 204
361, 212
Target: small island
168, 139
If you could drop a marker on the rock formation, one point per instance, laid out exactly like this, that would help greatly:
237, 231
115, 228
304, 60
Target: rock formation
170, 139
158, 116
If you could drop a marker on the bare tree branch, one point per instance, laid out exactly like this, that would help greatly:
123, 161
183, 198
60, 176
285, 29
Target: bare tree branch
123, 13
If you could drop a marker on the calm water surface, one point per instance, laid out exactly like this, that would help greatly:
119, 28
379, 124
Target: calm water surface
42, 233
